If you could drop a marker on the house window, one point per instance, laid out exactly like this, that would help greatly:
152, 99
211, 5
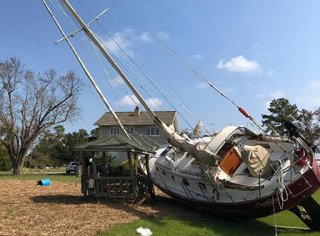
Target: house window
152, 131
114, 130
130, 130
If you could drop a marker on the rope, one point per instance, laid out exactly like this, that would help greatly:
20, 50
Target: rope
282, 188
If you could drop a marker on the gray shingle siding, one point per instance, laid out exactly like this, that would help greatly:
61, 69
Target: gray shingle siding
140, 123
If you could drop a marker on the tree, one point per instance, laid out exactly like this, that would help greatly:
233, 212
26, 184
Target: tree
59, 148
4, 159
50, 149
309, 125
280, 111
31, 104
71, 140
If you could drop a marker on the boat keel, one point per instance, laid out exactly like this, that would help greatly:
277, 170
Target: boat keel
310, 214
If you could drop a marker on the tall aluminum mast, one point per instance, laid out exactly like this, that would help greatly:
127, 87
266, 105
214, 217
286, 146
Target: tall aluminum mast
86, 70
177, 140
108, 57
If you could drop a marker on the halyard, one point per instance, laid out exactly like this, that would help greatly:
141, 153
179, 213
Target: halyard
59, 209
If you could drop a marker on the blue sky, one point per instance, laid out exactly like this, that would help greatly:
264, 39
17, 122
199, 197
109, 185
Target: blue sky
254, 51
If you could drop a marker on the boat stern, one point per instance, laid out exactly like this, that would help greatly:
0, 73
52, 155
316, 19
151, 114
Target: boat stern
316, 168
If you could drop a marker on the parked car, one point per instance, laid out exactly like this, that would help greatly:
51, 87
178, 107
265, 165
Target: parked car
71, 167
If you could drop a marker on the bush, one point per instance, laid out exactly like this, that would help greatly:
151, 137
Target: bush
5, 163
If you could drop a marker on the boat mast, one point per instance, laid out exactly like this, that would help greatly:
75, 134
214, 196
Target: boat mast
94, 39
86, 70
177, 140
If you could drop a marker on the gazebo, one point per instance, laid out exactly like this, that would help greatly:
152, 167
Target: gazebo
100, 178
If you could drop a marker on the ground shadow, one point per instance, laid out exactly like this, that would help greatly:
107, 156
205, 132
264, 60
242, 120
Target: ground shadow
59, 199
164, 207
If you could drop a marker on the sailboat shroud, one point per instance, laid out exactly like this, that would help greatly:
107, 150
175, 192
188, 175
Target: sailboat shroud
233, 174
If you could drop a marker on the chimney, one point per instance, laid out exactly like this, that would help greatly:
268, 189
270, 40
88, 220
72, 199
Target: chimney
137, 111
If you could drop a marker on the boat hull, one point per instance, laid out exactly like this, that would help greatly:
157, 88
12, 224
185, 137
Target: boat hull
300, 189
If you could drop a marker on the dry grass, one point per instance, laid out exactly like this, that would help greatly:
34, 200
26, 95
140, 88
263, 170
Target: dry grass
59, 209
27, 209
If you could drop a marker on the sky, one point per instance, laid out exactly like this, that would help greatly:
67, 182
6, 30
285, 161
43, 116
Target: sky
253, 51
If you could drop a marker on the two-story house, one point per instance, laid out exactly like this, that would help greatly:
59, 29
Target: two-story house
138, 124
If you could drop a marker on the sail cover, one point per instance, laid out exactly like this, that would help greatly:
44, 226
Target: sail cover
257, 159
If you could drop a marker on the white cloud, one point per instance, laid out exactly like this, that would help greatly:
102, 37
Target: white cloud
203, 85
117, 81
199, 57
145, 37
277, 94
120, 39
127, 39
128, 100
163, 35
131, 100
240, 64
154, 102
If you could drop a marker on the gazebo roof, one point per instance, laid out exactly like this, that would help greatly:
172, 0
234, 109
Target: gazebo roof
117, 142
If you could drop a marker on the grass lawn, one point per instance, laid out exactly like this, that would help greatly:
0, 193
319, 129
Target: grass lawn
287, 224
59, 177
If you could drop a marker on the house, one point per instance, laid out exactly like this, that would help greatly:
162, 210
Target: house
138, 125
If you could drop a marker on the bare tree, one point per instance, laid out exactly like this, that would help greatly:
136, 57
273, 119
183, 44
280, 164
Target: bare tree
30, 104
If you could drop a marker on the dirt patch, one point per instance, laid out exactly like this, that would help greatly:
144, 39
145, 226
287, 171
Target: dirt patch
59, 209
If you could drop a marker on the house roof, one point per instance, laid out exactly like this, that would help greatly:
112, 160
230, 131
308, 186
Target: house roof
131, 118
113, 143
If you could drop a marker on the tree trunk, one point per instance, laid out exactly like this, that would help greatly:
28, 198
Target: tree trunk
17, 169
17, 165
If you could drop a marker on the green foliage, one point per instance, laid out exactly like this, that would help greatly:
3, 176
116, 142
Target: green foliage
5, 163
57, 148
309, 125
280, 111
94, 133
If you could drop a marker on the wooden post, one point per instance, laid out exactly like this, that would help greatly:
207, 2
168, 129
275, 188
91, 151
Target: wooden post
83, 174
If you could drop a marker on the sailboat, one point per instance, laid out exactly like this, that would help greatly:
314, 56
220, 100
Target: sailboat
233, 174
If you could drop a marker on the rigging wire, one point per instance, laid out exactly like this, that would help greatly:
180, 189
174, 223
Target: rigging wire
140, 135
106, 75
191, 68
141, 71
106, 72
199, 76
86, 71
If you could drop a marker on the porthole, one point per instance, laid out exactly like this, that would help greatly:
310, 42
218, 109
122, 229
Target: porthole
164, 173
